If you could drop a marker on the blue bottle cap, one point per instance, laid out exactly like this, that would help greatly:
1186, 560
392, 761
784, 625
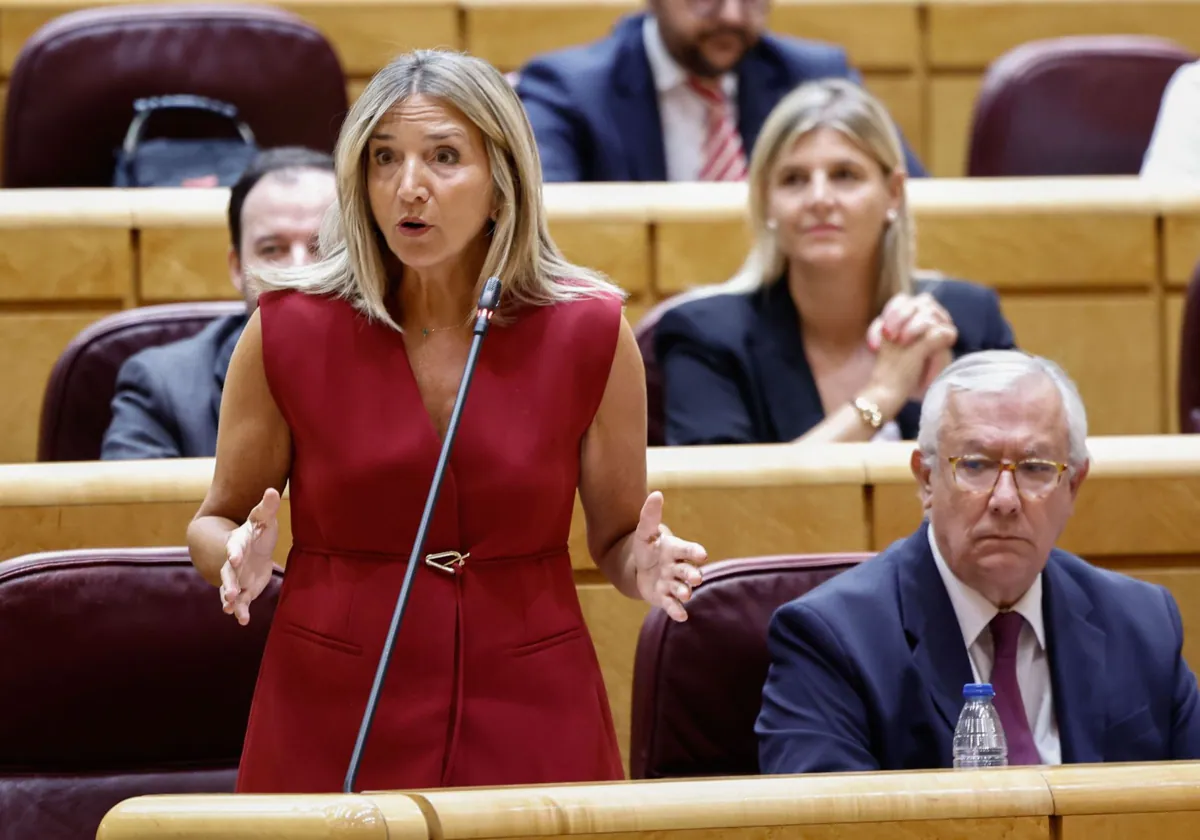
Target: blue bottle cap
978, 690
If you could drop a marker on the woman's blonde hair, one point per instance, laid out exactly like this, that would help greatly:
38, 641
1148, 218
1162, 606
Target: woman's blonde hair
521, 253
842, 105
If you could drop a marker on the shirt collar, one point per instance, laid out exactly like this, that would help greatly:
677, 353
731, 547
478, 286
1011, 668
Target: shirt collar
667, 73
975, 612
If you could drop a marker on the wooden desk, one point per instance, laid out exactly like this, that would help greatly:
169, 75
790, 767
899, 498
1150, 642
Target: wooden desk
1097, 802
1077, 263
1136, 514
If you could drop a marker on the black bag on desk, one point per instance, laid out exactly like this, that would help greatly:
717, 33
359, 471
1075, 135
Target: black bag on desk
167, 162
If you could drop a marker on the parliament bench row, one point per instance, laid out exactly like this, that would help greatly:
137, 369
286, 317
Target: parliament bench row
1135, 514
1091, 272
1083, 802
924, 58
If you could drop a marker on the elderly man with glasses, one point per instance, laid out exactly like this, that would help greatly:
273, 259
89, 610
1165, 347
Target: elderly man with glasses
867, 671
676, 93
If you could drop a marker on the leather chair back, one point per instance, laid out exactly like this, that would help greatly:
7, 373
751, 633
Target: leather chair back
74, 82
1078, 105
643, 331
697, 686
77, 405
1189, 358
122, 677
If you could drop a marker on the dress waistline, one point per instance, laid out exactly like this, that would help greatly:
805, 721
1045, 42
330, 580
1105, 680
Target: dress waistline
448, 560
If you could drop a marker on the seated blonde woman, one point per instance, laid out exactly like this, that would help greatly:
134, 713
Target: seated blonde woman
824, 335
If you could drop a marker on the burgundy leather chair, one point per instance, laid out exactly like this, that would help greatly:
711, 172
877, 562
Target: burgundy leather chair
697, 686
1079, 105
643, 331
75, 80
121, 677
1189, 358
77, 405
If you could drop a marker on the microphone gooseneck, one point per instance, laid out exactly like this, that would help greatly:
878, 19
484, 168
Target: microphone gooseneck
489, 301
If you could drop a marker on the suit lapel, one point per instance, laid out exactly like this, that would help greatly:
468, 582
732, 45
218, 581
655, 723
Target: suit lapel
221, 362
793, 403
932, 628
635, 106
760, 87
1076, 649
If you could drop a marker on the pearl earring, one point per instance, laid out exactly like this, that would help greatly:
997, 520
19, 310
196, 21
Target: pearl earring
772, 224
892, 215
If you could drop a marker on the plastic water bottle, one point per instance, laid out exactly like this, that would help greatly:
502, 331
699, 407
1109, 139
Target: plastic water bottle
979, 738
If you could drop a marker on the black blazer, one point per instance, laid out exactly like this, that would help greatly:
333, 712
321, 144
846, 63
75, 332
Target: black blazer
168, 398
734, 370
594, 108
867, 669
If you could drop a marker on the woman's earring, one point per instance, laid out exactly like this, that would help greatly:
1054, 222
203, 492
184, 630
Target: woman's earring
892, 215
772, 225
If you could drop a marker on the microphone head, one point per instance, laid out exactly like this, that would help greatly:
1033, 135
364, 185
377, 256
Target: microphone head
489, 298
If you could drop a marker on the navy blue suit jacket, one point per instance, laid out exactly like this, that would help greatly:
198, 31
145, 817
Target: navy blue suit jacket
594, 108
734, 369
867, 669
168, 398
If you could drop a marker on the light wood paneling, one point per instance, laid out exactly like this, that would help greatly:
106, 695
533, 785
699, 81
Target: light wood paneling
901, 93
697, 253
18, 21
1068, 250
184, 264
671, 808
354, 89
233, 817
1110, 346
1172, 330
1180, 825
951, 106
508, 33
30, 344
60, 264
59, 245
367, 35
969, 34
620, 250
1181, 245
877, 34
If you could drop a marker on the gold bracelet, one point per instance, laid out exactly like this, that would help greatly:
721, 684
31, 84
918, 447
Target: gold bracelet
869, 412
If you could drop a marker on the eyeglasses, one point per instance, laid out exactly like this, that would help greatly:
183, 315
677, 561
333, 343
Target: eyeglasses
711, 8
1034, 477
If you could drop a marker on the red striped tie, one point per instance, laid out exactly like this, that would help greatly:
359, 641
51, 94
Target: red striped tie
724, 159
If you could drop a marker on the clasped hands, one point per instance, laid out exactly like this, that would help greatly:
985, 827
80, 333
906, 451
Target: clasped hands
913, 339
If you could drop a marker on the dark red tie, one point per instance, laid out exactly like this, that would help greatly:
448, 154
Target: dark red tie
1006, 630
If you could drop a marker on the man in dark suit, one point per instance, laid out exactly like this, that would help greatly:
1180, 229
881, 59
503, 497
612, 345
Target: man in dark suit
867, 671
634, 106
168, 398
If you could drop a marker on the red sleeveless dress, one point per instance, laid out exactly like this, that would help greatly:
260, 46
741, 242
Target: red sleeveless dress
494, 679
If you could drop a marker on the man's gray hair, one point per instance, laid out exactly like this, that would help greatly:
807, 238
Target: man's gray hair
994, 372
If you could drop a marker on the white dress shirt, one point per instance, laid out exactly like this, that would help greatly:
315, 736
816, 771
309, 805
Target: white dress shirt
683, 114
974, 614
1174, 152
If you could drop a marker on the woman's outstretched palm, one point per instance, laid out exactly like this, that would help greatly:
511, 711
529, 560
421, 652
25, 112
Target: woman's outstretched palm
248, 564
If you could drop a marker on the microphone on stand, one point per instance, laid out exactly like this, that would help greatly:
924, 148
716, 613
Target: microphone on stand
489, 299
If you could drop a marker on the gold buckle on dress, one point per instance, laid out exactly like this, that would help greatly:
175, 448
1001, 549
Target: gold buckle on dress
445, 561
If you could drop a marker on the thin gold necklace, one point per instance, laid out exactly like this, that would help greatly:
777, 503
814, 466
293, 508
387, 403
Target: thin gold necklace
427, 331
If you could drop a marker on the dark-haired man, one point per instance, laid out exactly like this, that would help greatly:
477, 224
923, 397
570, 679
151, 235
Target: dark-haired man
168, 398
